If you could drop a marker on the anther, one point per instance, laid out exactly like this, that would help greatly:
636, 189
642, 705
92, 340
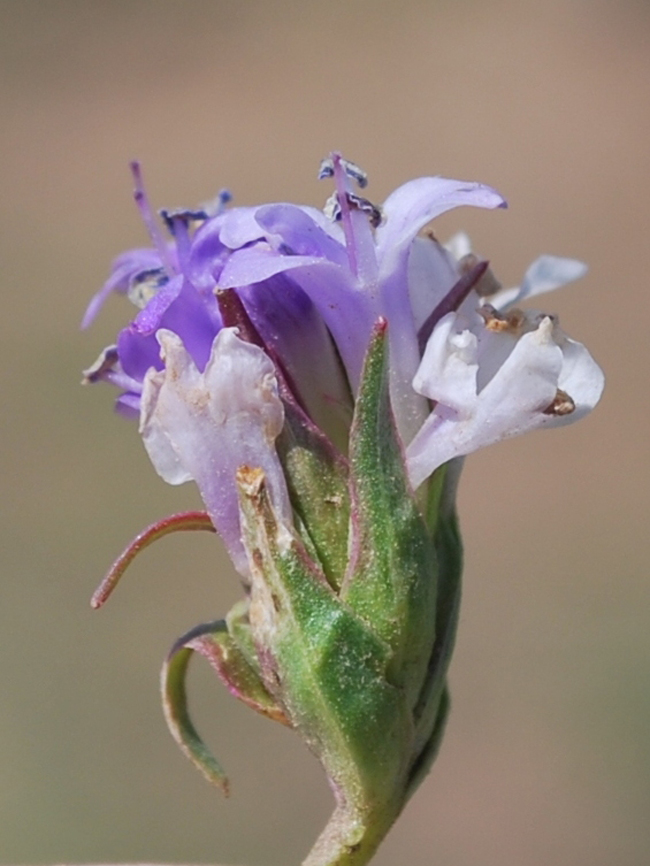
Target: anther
350, 168
334, 211
510, 323
189, 217
104, 364
145, 285
561, 405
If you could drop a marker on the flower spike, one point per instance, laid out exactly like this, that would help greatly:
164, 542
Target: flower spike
321, 375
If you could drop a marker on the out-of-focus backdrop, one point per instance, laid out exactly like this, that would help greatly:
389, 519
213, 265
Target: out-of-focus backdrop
547, 754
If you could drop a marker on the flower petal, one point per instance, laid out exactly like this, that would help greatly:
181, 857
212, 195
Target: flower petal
123, 270
447, 373
239, 227
459, 245
204, 426
137, 353
208, 254
544, 275
294, 330
513, 402
177, 307
299, 232
257, 263
348, 312
581, 378
414, 204
432, 272
407, 210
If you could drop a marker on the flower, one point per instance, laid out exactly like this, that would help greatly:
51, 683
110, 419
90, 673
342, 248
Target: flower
317, 374
196, 425
315, 285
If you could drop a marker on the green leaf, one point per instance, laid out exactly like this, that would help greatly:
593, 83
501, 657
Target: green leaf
239, 629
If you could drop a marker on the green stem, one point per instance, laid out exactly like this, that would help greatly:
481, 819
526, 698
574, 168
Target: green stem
351, 838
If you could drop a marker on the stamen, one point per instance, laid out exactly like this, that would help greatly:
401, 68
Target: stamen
104, 364
326, 168
332, 208
561, 405
350, 168
188, 216
513, 322
182, 237
488, 284
142, 202
342, 190
193, 217
218, 204
451, 302
145, 285
189, 520
373, 211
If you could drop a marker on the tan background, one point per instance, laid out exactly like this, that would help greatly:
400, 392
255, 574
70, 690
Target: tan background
547, 756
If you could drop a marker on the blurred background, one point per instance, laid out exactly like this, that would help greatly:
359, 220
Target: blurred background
547, 755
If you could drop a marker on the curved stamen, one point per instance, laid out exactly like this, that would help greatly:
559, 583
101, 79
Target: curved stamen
184, 522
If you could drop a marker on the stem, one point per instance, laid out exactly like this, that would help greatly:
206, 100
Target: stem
350, 837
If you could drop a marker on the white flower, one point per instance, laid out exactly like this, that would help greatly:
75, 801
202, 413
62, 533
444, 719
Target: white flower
492, 376
204, 426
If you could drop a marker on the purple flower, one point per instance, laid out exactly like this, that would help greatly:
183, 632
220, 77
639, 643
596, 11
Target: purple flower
466, 369
311, 371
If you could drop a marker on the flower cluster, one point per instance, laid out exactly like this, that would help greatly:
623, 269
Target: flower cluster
317, 373
467, 368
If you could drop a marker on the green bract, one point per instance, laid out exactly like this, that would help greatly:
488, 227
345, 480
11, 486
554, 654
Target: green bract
351, 647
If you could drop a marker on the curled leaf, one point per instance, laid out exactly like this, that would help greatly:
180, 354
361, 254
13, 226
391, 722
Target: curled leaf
212, 641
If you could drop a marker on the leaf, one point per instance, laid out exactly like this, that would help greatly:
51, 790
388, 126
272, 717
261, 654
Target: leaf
317, 479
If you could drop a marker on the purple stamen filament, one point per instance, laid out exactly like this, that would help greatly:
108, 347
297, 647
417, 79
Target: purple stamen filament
148, 218
342, 190
451, 302
182, 238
